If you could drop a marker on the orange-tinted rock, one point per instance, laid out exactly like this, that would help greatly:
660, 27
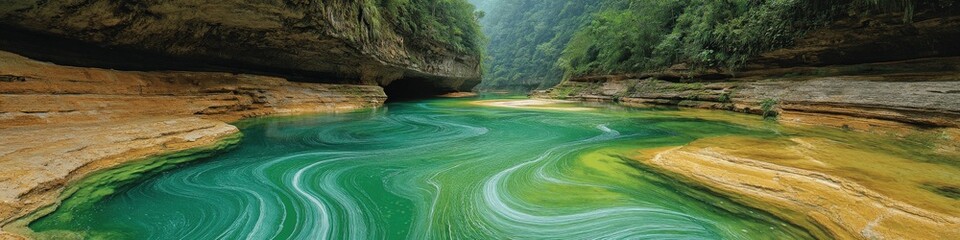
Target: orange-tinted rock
59, 123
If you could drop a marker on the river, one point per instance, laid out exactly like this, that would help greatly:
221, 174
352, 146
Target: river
440, 168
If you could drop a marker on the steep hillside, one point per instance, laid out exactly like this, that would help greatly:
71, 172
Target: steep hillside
856, 62
526, 39
641, 36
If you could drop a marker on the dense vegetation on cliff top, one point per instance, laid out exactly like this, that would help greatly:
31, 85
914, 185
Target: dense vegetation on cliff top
534, 44
636, 36
450, 22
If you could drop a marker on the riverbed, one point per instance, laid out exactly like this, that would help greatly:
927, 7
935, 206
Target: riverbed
459, 168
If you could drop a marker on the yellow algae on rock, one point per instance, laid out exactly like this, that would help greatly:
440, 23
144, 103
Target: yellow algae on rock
835, 189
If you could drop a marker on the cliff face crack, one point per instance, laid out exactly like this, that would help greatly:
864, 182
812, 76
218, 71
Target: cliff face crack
12, 78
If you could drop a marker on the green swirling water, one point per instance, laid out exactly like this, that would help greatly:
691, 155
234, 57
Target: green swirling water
432, 169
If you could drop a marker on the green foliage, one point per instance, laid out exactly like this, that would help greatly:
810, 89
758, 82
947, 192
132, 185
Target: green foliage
635, 36
426, 22
769, 108
725, 97
563, 92
536, 43
622, 37
526, 39
646, 35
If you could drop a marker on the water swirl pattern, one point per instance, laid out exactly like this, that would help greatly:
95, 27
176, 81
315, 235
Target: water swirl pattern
433, 169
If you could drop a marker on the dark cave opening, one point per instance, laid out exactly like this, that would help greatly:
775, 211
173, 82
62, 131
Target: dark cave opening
414, 88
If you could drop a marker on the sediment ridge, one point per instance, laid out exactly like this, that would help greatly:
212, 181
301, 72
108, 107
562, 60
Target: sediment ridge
60, 124
852, 69
832, 95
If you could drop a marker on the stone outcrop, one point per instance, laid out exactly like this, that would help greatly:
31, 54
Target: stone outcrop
920, 98
184, 69
831, 207
60, 123
38, 162
857, 40
871, 68
877, 75
43, 93
328, 41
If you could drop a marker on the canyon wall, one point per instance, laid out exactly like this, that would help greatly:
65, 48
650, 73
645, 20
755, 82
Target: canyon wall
317, 41
844, 75
61, 123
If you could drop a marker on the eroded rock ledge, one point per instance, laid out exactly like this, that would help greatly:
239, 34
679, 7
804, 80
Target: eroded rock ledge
878, 76
329, 41
833, 96
852, 70
800, 186
34, 92
59, 124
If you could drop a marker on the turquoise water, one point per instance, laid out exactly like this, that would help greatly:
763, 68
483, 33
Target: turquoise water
433, 169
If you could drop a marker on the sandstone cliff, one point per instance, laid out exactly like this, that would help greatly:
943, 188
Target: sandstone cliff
852, 70
874, 75
60, 123
184, 69
325, 41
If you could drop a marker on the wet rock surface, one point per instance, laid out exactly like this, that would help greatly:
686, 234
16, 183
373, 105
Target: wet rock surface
60, 123
927, 98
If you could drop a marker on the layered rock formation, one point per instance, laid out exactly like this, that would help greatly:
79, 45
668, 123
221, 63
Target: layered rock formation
876, 75
328, 41
185, 68
62, 123
929, 98
830, 206
39, 162
42, 93
878, 68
